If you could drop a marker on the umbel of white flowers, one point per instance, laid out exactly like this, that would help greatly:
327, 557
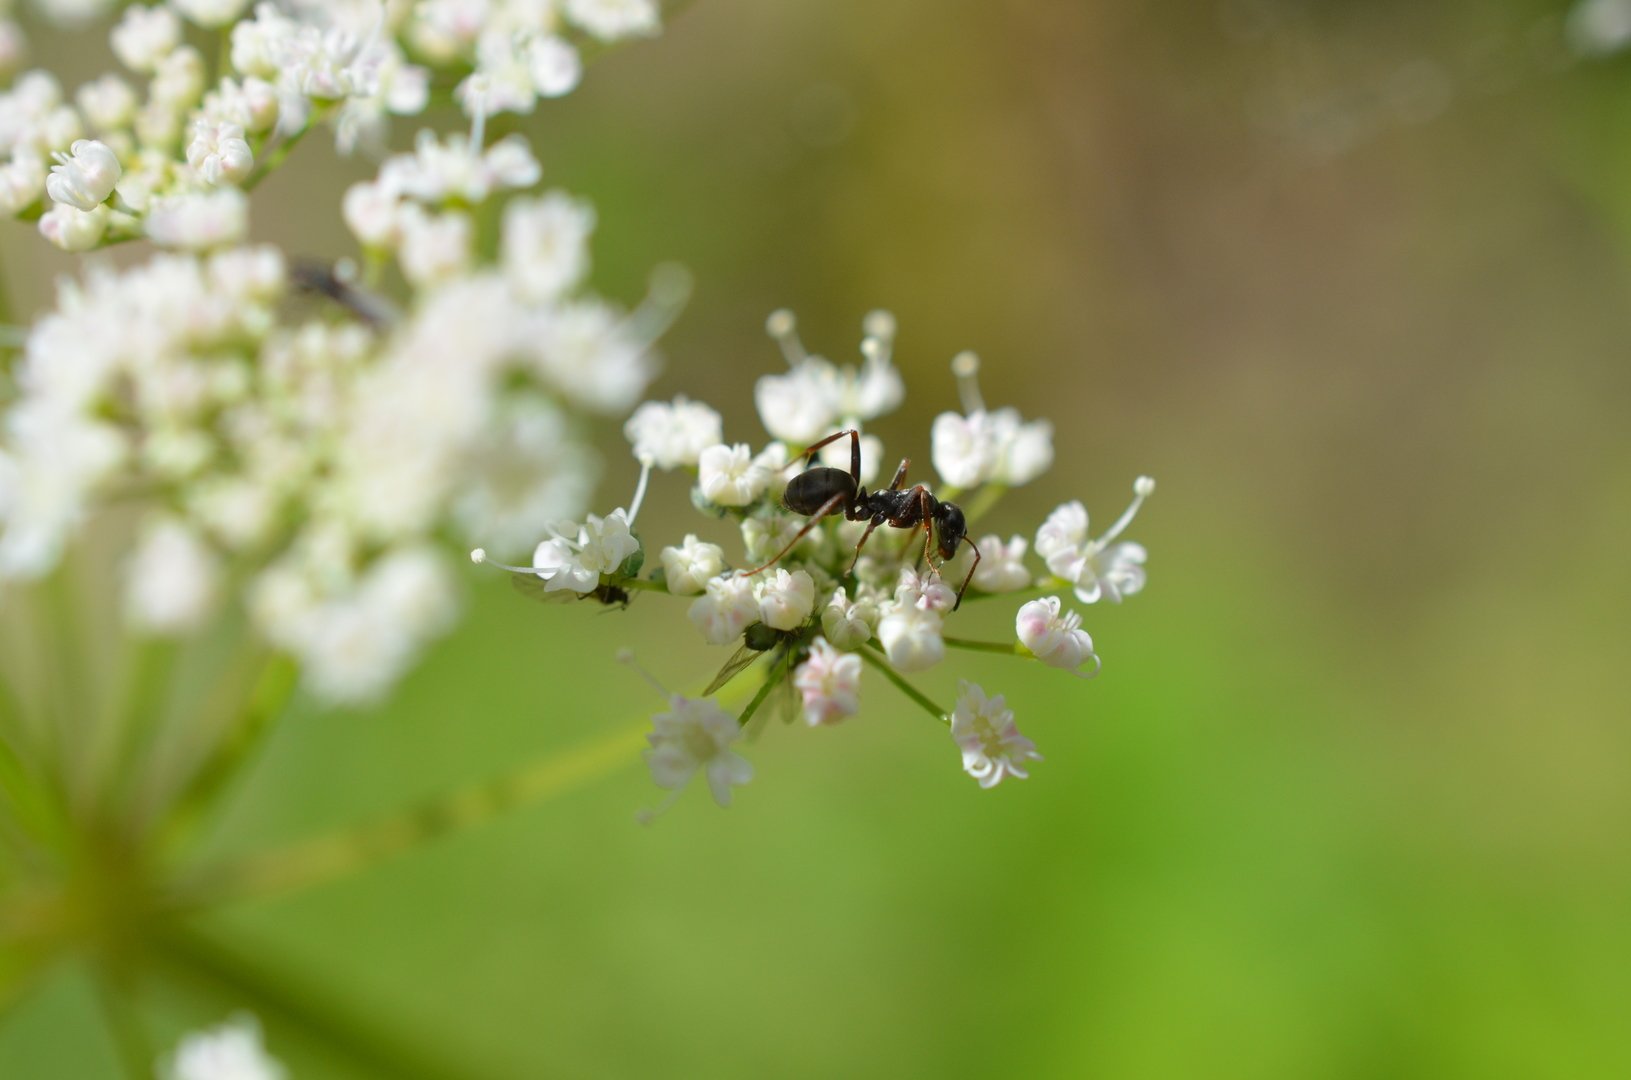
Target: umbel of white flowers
166, 149
824, 608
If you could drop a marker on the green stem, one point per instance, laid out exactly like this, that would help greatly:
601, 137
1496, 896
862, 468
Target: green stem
774, 677
273, 689
987, 646
355, 849
642, 585
874, 655
129, 1036
309, 1006
270, 162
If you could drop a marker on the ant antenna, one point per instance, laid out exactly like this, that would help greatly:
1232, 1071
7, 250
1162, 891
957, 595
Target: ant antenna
966, 367
783, 328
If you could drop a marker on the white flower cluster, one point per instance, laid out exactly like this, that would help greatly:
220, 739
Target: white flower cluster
825, 598
320, 458
169, 161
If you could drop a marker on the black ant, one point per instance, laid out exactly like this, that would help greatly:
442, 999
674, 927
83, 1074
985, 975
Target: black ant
820, 490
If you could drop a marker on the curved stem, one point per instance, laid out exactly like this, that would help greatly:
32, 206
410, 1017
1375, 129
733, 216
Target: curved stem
351, 850
873, 655
1001, 647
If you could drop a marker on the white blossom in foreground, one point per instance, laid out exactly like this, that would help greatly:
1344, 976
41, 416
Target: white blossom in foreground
1056, 639
729, 476
786, 599
984, 730
545, 244
200, 221
232, 1051
829, 684
84, 177
1097, 568
688, 568
74, 230
695, 735
726, 608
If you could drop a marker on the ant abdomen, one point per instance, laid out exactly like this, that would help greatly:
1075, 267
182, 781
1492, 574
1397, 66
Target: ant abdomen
812, 489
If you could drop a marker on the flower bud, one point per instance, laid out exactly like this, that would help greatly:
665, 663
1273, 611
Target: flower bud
85, 178
687, 568
786, 599
74, 230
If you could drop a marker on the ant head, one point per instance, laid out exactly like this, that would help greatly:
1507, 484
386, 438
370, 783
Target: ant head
952, 528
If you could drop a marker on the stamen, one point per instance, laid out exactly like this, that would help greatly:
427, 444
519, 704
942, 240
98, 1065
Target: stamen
626, 656
667, 292
639, 490
783, 328
966, 367
1142, 488
479, 557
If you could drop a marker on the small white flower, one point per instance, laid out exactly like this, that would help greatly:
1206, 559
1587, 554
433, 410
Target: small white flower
609, 20
991, 447
84, 178
555, 65
925, 592
74, 230
172, 579
688, 568
1058, 640
671, 434
600, 547
251, 104
232, 1051
435, 247
696, 735
178, 82
728, 475
545, 244
199, 221
726, 608
219, 152
1097, 568
848, 625
373, 213
145, 36
786, 599
1002, 566
108, 103
829, 682
22, 180
985, 731
796, 407
911, 637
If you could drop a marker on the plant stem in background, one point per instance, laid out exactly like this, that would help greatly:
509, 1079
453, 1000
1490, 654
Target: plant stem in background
871, 656
136, 1053
358, 848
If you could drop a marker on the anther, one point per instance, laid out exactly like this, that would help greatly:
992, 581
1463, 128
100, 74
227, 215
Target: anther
1142, 487
479, 557
879, 324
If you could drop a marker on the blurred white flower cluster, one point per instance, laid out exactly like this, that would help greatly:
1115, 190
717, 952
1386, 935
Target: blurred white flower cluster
306, 456
821, 600
166, 149
229, 1051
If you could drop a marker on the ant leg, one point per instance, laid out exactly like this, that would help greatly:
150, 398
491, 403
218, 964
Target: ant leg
826, 508
854, 451
971, 570
925, 503
859, 544
900, 475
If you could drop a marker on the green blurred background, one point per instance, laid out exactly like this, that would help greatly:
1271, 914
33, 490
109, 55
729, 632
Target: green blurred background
1351, 798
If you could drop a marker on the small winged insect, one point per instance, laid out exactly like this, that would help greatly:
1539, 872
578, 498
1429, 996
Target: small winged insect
335, 282
819, 491
533, 586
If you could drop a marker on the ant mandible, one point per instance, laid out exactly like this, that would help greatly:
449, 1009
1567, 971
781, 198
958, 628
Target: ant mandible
819, 491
